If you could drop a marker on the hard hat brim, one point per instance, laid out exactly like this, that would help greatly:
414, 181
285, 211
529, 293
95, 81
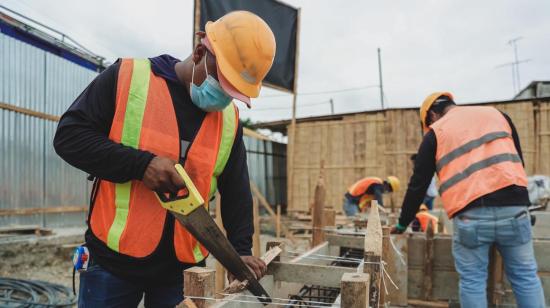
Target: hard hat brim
224, 83
230, 74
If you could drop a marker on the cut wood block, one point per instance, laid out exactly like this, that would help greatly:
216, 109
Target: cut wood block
200, 282
237, 286
355, 290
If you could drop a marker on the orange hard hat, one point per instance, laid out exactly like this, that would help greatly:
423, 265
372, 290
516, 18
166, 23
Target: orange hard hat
428, 102
244, 46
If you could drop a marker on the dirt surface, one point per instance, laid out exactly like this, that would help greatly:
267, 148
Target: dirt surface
40, 258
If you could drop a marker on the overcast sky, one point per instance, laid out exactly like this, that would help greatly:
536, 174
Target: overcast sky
426, 46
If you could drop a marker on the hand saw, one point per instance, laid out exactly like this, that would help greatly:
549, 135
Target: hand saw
189, 209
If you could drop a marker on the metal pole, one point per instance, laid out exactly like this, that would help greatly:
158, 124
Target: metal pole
517, 66
380, 79
331, 106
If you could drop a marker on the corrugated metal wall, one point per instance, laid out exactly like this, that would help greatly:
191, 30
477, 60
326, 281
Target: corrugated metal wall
267, 168
32, 175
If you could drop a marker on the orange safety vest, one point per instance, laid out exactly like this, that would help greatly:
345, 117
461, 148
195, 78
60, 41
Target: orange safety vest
475, 156
424, 218
360, 187
128, 217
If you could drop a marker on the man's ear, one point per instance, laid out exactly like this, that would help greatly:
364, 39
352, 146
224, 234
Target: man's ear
200, 49
198, 53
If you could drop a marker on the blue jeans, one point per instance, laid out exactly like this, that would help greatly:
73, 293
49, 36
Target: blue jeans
350, 208
509, 228
99, 288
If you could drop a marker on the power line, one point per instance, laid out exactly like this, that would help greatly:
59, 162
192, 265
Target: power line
324, 92
290, 107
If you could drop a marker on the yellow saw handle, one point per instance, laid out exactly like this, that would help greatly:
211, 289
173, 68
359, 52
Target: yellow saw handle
186, 203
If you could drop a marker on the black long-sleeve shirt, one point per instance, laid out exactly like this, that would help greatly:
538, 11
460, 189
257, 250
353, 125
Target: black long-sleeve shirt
424, 169
82, 140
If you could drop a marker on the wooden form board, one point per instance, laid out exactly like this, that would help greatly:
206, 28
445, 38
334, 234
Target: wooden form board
445, 277
381, 143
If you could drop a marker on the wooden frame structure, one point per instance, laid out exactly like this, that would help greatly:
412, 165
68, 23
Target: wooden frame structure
413, 269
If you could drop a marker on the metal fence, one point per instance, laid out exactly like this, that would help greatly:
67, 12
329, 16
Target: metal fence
34, 181
32, 176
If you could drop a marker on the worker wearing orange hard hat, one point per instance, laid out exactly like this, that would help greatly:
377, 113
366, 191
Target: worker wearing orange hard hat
476, 153
358, 196
129, 128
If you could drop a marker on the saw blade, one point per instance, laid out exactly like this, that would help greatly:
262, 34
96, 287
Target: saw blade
204, 229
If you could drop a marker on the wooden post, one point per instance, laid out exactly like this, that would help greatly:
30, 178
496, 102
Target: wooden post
196, 22
292, 134
428, 266
278, 222
355, 290
329, 216
199, 282
317, 215
373, 254
256, 249
386, 251
397, 268
220, 270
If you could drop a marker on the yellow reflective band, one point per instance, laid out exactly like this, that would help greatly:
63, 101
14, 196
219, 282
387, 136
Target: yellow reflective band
226, 144
131, 131
197, 253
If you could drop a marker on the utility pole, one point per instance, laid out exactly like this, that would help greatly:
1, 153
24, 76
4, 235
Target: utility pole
331, 106
515, 68
380, 79
516, 82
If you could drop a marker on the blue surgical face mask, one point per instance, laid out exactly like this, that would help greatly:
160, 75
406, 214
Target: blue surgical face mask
209, 96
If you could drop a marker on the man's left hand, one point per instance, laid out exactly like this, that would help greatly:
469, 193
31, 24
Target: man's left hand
256, 265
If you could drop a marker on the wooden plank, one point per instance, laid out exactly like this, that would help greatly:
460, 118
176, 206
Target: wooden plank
354, 290
239, 286
321, 249
317, 214
373, 254
244, 299
323, 275
29, 112
397, 256
348, 241
329, 217
429, 263
256, 236
427, 304
44, 210
199, 282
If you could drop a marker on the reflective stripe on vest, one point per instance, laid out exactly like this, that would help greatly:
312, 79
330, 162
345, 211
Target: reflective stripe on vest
361, 186
475, 155
127, 217
131, 131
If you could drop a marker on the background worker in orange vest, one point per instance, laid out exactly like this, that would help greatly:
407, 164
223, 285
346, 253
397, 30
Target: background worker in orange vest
359, 195
129, 128
477, 156
423, 219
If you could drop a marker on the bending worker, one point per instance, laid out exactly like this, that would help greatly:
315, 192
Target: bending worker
359, 195
477, 155
129, 128
423, 219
